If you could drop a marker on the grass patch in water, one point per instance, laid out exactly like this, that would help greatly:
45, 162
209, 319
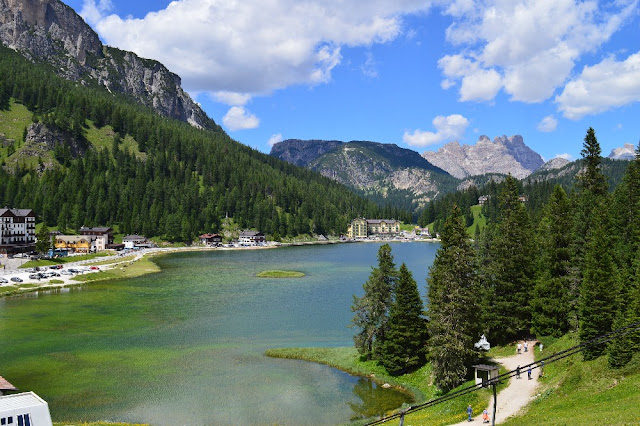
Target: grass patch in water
280, 274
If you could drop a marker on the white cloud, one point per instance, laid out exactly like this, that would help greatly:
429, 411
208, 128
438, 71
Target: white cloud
92, 12
274, 139
231, 98
566, 156
601, 87
447, 128
531, 46
238, 118
368, 68
548, 124
251, 46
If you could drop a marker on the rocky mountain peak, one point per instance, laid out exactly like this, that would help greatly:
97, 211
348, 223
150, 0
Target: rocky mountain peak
626, 152
50, 31
502, 155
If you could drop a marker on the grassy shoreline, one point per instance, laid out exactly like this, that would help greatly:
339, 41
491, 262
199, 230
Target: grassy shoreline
417, 383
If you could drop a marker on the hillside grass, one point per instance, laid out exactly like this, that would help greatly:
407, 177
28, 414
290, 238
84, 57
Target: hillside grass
12, 124
102, 137
579, 392
419, 383
478, 219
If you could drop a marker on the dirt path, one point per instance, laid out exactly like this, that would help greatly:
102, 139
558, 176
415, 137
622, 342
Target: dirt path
519, 391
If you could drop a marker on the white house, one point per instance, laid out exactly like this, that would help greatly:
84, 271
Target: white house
17, 230
24, 409
251, 237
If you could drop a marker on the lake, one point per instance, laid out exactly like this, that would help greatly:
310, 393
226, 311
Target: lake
186, 345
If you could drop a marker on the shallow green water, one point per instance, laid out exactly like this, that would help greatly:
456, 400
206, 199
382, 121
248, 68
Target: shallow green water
185, 346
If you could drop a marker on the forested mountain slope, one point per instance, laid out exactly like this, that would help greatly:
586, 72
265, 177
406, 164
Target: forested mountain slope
382, 172
113, 161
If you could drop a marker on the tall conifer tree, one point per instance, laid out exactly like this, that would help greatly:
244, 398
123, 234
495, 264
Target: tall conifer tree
372, 309
404, 349
509, 270
551, 307
599, 293
453, 310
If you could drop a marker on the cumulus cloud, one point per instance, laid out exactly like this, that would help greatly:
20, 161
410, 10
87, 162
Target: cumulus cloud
238, 118
527, 48
601, 87
274, 139
231, 98
548, 124
447, 128
251, 46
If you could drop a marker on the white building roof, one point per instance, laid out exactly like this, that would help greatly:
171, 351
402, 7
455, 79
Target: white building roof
20, 400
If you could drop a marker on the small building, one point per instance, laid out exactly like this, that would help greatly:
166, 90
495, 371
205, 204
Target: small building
212, 240
100, 237
17, 230
484, 374
24, 409
73, 243
483, 199
135, 241
252, 237
523, 198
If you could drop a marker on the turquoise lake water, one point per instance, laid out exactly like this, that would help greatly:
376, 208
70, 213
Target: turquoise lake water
185, 346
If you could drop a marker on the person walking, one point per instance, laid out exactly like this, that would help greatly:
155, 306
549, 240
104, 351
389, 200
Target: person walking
518, 372
469, 412
526, 346
529, 372
485, 416
519, 347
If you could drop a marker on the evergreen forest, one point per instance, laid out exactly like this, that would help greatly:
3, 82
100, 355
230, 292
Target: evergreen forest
153, 176
570, 263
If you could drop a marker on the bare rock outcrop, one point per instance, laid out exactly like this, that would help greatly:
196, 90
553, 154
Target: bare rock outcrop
52, 32
502, 155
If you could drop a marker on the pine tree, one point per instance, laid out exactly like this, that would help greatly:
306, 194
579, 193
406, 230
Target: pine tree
509, 269
452, 304
43, 243
599, 292
372, 309
551, 307
404, 349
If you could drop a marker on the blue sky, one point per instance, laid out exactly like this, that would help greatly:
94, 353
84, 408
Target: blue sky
415, 73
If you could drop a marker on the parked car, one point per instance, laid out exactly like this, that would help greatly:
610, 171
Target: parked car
3, 280
94, 268
16, 279
55, 267
34, 277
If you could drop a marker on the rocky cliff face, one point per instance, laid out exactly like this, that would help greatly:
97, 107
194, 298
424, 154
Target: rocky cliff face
52, 32
627, 152
502, 155
554, 163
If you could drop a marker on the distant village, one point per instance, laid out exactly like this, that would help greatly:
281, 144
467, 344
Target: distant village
18, 236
